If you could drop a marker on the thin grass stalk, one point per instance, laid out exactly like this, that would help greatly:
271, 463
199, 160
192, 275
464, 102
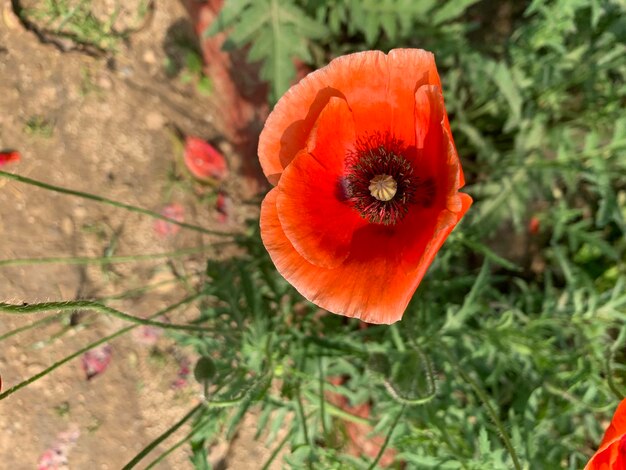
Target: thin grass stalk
276, 451
383, 448
92, 345
490, 411
35, 324
85, 260
19, 309
110, 202
146, 450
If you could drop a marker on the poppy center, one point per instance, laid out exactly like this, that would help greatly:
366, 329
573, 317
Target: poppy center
380, 183
383, 187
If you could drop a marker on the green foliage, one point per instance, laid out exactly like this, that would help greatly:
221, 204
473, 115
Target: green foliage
277, 30
75, 20
527, 324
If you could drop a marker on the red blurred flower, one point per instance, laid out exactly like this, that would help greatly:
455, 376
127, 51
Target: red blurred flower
612, 452
167, 229
367, 180
203, 161
534, 225
9, 157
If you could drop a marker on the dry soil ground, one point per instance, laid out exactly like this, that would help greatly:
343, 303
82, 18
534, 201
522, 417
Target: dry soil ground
99, 125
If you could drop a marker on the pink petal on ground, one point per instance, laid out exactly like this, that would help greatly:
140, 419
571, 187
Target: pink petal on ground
96, 361
147, 334
9, 157
224, 206
204, 161
167, 229
183, 374
56, 456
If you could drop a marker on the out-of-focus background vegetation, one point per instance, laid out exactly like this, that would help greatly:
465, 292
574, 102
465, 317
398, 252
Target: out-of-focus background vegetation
512, 352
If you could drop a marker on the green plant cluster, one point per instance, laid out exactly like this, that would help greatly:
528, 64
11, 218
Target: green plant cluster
520, 321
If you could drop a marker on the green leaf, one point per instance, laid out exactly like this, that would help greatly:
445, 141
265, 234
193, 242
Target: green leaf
278, 31
451, 10
501, 75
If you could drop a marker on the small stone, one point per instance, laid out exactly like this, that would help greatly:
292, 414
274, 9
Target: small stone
9, 17
149, 57
154, 120
80, 212
104, 82
67, 226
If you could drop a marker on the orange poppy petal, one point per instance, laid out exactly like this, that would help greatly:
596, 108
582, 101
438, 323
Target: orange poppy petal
373, 283
617, 428
609, 451
409, 69
432, 136
333, 136
612, 457
290, 122
376, 88
317, 222
363, 79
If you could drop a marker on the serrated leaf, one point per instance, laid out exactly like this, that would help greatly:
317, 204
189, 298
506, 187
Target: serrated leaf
451, 10
484, 446
502, 77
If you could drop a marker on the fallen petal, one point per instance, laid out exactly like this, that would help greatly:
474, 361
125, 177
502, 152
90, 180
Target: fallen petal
9, 157
147, 335
204, 161
224, 206
56, 456
167, 229
96, 361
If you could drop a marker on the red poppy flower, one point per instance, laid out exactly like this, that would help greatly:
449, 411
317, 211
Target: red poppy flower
612, 452
367, 180
204, 161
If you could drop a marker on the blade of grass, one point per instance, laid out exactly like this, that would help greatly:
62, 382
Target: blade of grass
18, 309
383, 448
92, 345
146, 450
35, 324
82, 260
276, 451
110, 202
490, 410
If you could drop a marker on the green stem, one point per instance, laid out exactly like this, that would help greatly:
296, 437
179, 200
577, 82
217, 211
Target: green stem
43, 321
397, 338
322, 378
275, 452
490, 410
383, 448
143, 289
110, 202
104, 259
97, 343
160, 458
338, 412
146, 450
619, 393
96, 307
